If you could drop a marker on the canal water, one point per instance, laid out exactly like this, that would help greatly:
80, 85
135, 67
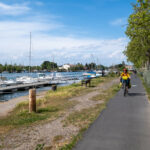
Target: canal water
9, 96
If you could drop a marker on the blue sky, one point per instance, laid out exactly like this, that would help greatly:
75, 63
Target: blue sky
69, 31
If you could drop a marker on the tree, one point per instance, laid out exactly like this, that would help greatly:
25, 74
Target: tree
138, 30
77, 67
48, 65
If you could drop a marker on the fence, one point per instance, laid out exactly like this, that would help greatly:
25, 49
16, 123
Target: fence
146, 76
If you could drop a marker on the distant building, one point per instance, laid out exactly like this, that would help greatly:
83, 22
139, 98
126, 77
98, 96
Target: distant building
129, 67
66, 67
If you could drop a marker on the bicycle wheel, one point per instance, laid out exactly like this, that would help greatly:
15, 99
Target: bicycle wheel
125, 89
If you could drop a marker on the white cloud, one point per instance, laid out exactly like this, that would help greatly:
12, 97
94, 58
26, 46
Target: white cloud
14, 45
119, 21
12, 28
13, 9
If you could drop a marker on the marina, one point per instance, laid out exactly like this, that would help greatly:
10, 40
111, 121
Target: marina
15, 85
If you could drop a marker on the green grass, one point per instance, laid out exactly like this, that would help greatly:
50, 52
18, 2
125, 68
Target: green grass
24, 118
40, 147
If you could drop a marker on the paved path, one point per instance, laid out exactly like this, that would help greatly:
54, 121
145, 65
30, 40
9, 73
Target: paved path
124, 125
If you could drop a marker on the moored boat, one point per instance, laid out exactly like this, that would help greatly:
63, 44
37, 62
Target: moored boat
43, 77
9, 82
90, 74
26, 80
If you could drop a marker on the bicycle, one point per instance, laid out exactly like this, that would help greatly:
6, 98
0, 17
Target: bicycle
125, 87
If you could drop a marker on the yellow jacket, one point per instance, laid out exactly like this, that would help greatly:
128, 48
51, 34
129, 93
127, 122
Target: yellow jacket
125, 76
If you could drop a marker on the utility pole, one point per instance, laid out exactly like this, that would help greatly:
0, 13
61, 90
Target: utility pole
53, 63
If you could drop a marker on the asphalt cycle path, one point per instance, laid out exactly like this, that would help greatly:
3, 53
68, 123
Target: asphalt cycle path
123, 125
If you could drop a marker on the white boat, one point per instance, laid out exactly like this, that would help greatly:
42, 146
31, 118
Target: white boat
1, 82
26, 80
98, 73
43, 77
90, 74
9, 82
57, 81
106, 72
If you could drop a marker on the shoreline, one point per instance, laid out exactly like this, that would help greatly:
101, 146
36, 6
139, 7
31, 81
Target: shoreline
7, 106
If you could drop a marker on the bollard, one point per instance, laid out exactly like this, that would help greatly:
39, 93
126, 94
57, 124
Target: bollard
32, 100
86, 83
89, 82
54, 87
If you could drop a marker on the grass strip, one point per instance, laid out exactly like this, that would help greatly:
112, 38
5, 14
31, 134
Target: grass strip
147, 88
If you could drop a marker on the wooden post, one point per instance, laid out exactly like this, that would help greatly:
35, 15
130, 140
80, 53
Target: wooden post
86, 83
89, 82
32, 100
54, 87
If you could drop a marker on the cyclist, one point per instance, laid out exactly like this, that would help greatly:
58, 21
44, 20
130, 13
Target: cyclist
125, 76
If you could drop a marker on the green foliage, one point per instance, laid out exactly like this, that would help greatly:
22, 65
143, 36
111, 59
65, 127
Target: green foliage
112, 74
90, 66
77, 67
119, 67
138, 30
49, 65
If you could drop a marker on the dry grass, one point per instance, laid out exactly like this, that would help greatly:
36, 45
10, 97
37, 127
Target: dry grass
83, 118
86, 116
58, 138
99, 97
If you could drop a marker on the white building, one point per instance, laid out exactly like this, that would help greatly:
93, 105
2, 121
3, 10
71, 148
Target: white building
66, 67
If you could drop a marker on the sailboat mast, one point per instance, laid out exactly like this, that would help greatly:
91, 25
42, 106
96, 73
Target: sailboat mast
30, 54
53, 63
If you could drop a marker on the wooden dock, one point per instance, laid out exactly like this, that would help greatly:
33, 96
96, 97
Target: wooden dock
23, 87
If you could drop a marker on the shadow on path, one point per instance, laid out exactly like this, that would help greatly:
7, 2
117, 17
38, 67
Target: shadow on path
136, 94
